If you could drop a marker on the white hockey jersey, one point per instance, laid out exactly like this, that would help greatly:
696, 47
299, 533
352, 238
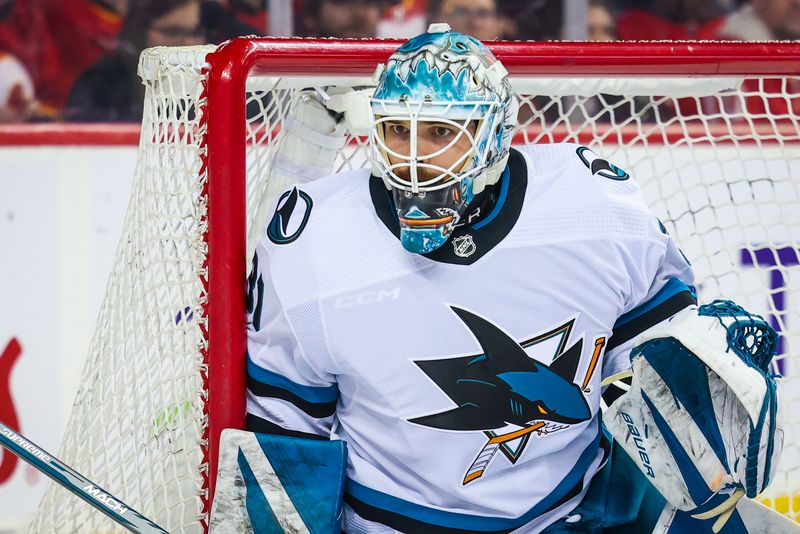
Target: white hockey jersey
465, 382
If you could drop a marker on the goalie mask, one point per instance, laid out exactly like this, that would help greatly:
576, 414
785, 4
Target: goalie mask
442, 120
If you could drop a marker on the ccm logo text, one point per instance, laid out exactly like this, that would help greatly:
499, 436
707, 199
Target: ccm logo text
367, 297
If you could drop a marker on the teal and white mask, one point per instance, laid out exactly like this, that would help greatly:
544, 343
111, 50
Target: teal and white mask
446, 80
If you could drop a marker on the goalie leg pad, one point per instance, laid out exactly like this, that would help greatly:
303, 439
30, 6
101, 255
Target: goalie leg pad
273, 484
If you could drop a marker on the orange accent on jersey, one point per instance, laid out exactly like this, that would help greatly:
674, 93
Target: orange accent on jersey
472, 476
502, 438
564, 330
425, 222
599, 343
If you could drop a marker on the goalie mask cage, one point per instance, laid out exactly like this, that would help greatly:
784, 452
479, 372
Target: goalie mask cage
710, 130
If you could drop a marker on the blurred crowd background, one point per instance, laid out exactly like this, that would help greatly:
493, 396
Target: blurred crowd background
75, 60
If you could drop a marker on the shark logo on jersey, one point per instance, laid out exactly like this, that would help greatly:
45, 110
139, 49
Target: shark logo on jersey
600, 167
504, 389
290, 218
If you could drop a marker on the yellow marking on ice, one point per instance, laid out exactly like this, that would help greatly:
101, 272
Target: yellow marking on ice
170, 418
788, 505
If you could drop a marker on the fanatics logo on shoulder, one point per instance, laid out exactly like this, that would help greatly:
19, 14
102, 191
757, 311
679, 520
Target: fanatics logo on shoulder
464, 246
290, 218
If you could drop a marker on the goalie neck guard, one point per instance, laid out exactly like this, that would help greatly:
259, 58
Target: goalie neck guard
451, 79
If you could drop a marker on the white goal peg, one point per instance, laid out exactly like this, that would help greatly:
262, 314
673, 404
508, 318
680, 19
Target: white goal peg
439, 27
376, 76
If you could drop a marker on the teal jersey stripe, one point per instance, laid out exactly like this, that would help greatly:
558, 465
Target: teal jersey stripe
314, 394
670, 289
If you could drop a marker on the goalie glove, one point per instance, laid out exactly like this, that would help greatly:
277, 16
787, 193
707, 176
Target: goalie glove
311, 137
315, 131
701, 418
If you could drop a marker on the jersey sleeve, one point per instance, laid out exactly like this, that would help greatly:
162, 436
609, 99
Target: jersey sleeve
662, 284
286, 392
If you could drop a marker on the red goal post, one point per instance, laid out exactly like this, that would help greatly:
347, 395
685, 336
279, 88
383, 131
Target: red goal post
215, 119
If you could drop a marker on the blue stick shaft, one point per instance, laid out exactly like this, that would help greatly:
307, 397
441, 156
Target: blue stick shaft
76, 483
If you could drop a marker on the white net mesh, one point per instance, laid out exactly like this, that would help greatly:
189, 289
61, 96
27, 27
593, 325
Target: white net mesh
719, 162
137, 424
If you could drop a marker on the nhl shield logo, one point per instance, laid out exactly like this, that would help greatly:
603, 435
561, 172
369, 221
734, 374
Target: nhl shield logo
464, 246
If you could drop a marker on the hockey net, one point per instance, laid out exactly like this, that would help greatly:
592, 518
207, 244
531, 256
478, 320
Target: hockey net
710, 130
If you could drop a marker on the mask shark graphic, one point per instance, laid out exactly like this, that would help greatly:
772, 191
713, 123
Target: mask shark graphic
504, 386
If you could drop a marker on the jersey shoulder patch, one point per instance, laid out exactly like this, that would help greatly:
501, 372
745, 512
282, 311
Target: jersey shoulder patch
291, 216
599, 166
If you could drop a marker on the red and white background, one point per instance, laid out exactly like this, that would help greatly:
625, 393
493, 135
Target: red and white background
63, 195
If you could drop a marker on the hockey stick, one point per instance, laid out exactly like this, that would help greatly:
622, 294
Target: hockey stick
487, 452
76, 483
